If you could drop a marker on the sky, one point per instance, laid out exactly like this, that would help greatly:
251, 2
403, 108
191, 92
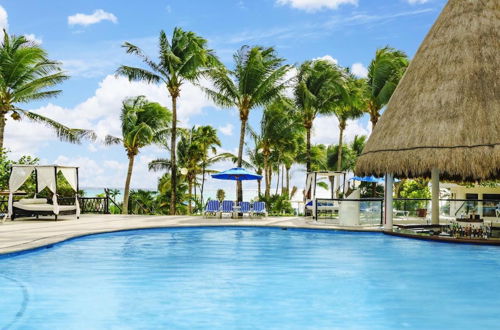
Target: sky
86, 37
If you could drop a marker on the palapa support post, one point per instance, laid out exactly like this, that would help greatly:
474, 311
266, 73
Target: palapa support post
388, 199
435, 196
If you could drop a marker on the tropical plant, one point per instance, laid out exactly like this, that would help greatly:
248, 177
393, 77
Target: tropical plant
257, 80
26, 74
320, 86
384, 73
196, 150
278, 204
165, 194
184, 58
221, 194
351, 107
358, 144
277, 138
142, 201
143, 123
256, 162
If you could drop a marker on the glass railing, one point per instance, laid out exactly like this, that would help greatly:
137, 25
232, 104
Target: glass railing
414, 210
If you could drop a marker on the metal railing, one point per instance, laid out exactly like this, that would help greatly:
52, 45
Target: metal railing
98, 205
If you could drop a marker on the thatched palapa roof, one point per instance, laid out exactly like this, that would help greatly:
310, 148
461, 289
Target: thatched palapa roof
445, 113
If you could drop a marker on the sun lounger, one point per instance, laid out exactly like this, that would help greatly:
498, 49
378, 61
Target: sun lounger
212, 208
34, 207
245, 208
227, 207
259, 208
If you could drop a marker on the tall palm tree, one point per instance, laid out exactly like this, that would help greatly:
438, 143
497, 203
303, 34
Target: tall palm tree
384, 73
320, 84
184, 58
257, 80
143, 123
351, 107
26, 74
279, 129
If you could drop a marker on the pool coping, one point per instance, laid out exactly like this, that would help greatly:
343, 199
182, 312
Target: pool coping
32, 240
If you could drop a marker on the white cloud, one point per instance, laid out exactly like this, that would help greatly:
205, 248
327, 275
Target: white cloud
359, 70
326, 131
4, 23
227, 129
101, 113
314, 5
34, 38
327, 58
413, 2
96, 17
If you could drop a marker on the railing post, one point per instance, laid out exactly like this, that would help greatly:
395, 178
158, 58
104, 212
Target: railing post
106, 202
389, 183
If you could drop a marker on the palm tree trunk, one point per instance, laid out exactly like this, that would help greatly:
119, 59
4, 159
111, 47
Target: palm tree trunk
266, 175
173, 172
126, 192
190, 192
259, 189
269, 180
239, 187
278, 181
339, 159
282, 179
308, 149
2, 129
287, 180
374, 120
202, 183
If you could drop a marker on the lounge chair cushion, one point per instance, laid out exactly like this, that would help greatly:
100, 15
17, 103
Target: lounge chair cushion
43, 207
33, 201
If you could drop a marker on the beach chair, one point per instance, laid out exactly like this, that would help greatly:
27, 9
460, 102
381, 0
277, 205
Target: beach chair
259, 208
212, 208
227, 207
245, 208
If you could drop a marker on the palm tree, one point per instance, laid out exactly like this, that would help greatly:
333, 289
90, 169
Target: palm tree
349, 108
26, 74
320, 85
277, 138
384, 73
256, 161
358, 144
257, 80
184, 58
193, 150
143, 123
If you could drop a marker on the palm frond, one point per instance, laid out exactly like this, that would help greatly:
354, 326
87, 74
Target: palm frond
63, 132
112, 140
138, 74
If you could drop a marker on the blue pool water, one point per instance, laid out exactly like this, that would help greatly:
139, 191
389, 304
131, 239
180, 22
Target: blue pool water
250, 278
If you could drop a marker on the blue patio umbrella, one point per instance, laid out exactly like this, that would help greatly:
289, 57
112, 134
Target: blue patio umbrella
370, 179
236, 174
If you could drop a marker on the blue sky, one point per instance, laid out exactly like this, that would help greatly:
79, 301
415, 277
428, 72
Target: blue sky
86, 36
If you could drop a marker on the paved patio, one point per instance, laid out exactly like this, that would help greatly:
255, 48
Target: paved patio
25, 234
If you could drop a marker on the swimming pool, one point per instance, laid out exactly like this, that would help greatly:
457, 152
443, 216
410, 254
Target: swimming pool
250, 278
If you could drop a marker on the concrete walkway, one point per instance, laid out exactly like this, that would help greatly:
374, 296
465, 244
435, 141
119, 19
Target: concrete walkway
27, 234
